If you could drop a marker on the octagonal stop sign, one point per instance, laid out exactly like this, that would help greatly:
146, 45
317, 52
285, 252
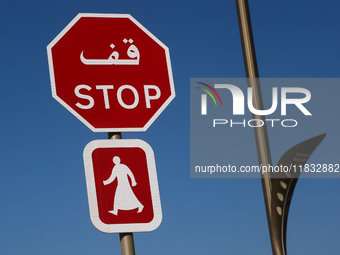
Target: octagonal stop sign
110, 72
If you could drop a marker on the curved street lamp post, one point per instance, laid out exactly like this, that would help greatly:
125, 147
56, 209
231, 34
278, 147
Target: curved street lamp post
277, 189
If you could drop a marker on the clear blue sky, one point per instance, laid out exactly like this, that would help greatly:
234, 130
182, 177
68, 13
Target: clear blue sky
43, 200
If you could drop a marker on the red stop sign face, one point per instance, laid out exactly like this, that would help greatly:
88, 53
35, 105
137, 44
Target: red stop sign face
110, 72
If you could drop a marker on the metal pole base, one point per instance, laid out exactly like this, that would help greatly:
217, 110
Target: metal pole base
126, 243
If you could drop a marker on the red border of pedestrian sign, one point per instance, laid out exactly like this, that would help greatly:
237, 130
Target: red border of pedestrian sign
122, 186
124, 91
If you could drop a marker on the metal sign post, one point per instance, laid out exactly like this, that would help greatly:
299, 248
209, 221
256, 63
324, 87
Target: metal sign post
127, 245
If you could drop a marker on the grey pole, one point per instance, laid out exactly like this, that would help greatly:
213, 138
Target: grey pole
261, 135
126, 239
126, 243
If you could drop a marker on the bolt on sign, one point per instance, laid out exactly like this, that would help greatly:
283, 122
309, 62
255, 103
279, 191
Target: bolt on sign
110, 72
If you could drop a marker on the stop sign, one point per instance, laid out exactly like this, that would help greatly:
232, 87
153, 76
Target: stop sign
110, 72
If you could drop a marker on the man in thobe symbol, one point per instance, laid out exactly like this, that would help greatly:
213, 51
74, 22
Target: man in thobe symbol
124, 198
